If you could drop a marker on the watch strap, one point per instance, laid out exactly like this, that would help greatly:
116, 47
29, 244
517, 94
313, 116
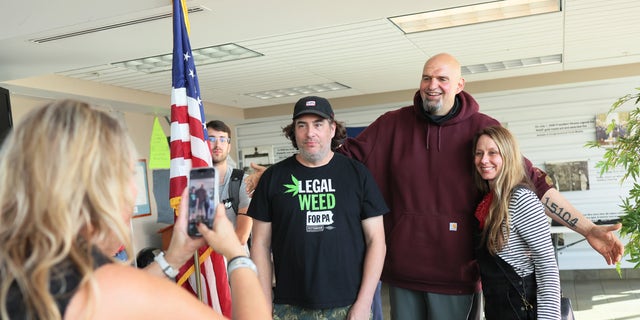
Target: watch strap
168, 270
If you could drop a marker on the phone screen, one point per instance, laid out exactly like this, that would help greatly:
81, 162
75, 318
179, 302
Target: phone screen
203, 198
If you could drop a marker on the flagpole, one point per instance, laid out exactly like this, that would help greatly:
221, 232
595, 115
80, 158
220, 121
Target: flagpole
196, 264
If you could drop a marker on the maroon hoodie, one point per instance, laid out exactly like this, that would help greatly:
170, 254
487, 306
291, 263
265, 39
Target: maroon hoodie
425, 173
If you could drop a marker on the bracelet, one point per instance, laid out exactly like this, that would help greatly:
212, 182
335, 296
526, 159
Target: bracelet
168, 270
241, 262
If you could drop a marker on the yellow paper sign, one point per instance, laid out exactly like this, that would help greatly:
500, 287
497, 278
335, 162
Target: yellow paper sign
159, 151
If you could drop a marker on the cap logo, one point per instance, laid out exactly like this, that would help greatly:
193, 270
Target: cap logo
311, 103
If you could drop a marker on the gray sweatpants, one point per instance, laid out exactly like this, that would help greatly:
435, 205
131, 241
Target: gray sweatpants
409, 304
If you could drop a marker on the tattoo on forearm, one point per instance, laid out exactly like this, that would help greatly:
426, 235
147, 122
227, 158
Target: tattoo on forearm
566, 216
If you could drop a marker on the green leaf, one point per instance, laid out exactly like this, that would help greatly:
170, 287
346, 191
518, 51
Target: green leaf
625, 154
292, 188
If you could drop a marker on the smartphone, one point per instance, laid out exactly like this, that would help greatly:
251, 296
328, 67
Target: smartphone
204, 196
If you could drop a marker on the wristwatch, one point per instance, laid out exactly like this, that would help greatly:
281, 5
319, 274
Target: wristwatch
168, 270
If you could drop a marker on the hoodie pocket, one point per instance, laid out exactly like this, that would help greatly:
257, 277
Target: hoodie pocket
432, 248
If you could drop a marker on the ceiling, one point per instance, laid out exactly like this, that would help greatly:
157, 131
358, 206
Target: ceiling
301, 42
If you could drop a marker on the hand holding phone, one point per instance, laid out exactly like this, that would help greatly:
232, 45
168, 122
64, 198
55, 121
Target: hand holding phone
204, 196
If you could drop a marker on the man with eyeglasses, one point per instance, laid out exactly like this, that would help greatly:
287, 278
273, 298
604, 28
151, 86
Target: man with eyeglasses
220, 145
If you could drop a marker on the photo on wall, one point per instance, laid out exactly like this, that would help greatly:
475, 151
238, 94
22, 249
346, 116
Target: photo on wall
568, 176
257, 155
610, 127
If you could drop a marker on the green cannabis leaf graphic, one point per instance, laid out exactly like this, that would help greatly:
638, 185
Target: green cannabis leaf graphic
292, 188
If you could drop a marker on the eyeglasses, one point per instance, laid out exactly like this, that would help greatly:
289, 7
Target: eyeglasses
219, 139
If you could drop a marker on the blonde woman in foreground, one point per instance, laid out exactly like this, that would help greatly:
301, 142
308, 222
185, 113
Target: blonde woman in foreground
67, 190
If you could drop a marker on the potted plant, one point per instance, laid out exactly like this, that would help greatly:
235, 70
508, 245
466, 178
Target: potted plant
625, 154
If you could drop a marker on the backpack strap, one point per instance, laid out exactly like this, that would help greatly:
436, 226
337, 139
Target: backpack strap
234, 188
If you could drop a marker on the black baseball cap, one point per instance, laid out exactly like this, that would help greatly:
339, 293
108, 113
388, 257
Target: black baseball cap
314, 105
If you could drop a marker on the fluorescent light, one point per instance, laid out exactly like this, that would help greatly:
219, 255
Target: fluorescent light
202, 56
115, 25
511, 64
484, 12
297, 91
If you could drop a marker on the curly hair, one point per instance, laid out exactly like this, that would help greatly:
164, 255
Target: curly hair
336, 141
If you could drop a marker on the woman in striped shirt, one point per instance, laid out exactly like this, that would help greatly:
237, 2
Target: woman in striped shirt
517, 263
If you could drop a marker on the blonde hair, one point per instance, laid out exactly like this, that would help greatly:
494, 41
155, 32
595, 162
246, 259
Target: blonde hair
512, 175
65, 174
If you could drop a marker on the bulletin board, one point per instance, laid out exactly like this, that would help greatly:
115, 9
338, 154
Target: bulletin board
142, 205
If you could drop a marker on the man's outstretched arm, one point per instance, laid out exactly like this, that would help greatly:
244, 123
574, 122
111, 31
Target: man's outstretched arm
601, 238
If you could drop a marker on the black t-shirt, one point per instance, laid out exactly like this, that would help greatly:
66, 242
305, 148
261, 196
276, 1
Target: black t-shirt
316, 219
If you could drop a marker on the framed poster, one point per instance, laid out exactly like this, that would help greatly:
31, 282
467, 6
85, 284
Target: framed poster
142, 206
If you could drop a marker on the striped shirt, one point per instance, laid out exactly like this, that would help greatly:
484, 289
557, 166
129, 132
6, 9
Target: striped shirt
530, 249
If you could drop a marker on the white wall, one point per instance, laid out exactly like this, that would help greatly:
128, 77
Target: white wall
552, 124
145, 228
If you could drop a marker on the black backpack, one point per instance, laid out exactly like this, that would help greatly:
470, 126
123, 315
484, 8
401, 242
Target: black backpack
234, 188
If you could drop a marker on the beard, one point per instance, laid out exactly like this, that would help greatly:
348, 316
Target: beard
431, 107
215, 159
313, 157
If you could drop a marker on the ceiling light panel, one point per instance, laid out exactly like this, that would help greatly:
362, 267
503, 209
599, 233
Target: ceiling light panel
466, 15
201, 56
297, 91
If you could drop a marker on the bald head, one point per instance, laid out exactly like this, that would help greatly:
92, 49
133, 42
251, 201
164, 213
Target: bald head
441, 81
445, 59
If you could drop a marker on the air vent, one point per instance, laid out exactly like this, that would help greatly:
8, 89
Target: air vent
511, 64
111, 26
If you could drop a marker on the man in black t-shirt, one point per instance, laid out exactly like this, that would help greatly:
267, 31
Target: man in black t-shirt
320, 214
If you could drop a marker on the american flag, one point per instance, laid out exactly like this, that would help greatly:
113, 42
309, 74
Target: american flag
189, 149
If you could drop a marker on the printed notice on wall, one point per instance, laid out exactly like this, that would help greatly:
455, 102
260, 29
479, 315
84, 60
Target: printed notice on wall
283, 152
613, 178
564, 127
